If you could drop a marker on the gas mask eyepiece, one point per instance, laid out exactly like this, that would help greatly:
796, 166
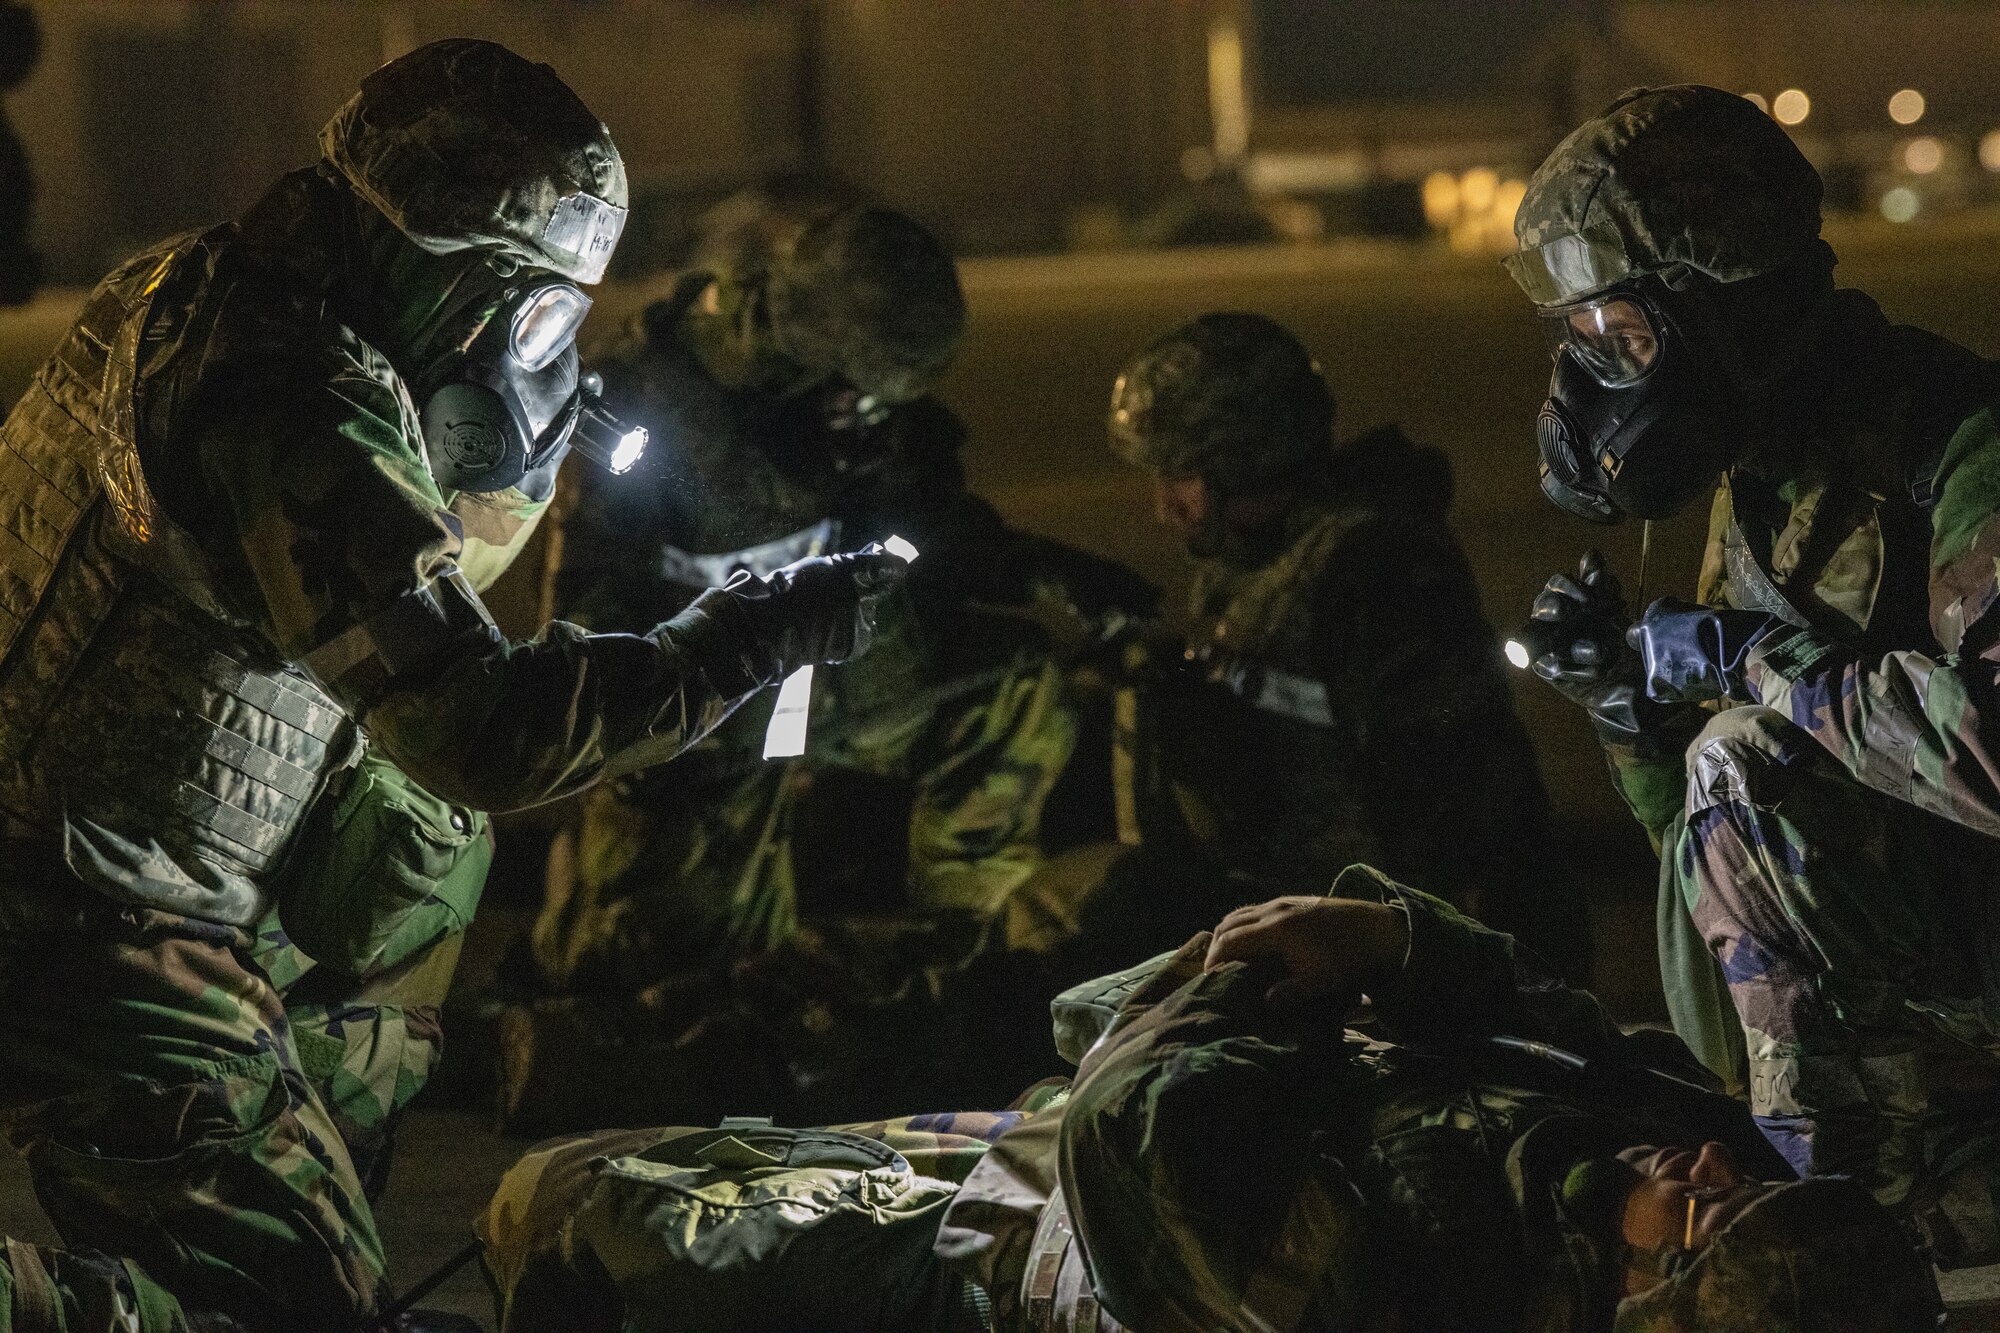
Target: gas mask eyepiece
1629, 428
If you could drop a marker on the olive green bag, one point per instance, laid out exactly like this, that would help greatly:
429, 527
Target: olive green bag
383, 871
748, 1228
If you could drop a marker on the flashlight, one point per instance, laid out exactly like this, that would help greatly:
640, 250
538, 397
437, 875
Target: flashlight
785, 736
600, 436
1592, 643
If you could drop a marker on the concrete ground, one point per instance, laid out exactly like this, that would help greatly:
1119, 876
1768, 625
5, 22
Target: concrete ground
1441, 344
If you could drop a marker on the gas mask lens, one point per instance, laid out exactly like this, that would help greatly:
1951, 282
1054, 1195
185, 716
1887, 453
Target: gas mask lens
1615, 338
545, 324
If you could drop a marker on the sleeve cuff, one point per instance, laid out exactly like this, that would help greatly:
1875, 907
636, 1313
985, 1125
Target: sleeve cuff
1445, 957
713, 635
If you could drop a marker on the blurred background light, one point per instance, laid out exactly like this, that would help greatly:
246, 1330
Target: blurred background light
1228, 101
1907, 107
1757, 100
1477, 188
1900, 204
1791, 106
1922, 156
1989, 151
1441, 197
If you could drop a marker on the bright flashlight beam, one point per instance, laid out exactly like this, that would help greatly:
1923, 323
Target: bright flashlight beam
631, 445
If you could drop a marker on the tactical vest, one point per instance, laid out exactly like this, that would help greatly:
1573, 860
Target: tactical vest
146, 731
1266, 777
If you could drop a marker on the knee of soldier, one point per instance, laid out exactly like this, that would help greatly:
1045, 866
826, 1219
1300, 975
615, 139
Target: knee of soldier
1748, 756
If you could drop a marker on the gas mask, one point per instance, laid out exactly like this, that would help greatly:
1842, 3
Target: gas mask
1631, 428
509, 397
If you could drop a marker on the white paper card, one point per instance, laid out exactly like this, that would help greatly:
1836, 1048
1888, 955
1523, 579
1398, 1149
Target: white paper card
786, 736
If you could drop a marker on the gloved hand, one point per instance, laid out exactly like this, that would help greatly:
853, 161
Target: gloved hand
1577, 635
1690, 652
820, 609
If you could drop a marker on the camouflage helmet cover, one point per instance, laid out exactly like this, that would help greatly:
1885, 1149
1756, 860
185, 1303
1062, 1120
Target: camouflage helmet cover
1818, 1256
464, 145
1231, 398
870, 294
1684, 176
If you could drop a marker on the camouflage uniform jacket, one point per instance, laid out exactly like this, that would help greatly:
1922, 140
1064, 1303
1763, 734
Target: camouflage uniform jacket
210, 479
1437, 1150
959, 707
1874, 529
1414, 761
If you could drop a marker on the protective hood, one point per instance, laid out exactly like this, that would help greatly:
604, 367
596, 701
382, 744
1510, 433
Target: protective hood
1688, 176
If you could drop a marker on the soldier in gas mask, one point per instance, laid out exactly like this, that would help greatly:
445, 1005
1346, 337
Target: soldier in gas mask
790, 399
252, 708
1343, 697
1811, 743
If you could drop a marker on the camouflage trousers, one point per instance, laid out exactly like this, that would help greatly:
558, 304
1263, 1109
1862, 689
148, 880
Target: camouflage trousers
177, 1109
1834, 955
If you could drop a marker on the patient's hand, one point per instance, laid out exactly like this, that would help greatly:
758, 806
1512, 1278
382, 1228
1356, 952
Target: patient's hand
1328, 947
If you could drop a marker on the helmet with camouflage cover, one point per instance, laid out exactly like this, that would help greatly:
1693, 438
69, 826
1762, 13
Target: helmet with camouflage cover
1817, 1256
464, 145
871, 295
1682, 178
1231, 398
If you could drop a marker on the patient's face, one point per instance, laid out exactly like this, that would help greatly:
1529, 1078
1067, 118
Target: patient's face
1684, 1197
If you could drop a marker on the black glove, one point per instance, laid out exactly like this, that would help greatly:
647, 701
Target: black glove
1690, 652
1576, 634
820, 609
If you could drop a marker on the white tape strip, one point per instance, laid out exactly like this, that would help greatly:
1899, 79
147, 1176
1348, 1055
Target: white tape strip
786, 736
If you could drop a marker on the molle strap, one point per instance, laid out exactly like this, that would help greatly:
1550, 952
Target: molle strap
417, 631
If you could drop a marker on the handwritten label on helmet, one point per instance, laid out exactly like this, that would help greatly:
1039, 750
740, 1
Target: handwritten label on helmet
585, 226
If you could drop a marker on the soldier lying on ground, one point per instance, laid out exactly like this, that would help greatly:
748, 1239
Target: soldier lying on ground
791, 408
248, 689
1485, 1151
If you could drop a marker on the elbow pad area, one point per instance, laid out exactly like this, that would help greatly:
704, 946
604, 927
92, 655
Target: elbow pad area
414, 637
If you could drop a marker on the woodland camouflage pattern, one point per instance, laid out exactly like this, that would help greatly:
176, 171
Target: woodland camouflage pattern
1828, 847
1407, 1177
1218, 1160
1685, 176
737, 1228
867, 871
199, 1131
921, 794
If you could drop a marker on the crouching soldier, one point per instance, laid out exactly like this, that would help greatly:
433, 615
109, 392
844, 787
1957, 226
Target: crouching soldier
237, 558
